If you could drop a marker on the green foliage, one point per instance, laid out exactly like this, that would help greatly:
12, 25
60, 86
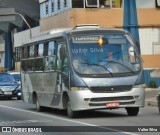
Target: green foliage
152, 84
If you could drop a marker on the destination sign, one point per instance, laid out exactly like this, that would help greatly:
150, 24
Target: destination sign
85, 39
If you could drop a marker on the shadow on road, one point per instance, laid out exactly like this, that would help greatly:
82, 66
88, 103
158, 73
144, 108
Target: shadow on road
84, 114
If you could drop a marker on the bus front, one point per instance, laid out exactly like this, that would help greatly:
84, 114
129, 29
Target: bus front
106, 71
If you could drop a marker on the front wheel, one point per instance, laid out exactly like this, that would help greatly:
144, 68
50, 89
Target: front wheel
18, 98
70, 112
132, 111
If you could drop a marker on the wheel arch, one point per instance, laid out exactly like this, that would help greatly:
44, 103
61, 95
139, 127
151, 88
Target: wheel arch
34, 97
65, 98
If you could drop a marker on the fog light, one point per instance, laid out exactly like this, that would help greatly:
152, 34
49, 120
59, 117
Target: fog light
136, 97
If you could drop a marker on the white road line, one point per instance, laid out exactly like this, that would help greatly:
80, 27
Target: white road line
66, 119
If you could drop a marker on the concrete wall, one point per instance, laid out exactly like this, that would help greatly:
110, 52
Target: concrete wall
24, 36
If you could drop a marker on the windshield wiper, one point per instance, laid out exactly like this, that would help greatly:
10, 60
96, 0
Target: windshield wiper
98, 66
114, 61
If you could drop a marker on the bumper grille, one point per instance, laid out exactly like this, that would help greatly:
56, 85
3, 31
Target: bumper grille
111, 99
111, 89
104, 104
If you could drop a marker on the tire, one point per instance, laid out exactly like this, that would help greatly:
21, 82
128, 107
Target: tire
38, 107
70, 112
9, 98
18, 98
159, 104
132, 111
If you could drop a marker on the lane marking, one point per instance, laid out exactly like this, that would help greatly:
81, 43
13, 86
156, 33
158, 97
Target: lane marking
87, 124
23, 122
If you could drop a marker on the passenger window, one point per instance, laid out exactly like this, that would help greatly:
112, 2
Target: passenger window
50, 56
39, 66
51, 48
23, 65
40, 50
30, 65
31, 51
62, 61
50, 63
24, 52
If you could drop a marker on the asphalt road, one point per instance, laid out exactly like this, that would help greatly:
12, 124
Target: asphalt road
17, 113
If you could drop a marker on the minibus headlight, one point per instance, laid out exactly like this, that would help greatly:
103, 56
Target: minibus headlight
79, 88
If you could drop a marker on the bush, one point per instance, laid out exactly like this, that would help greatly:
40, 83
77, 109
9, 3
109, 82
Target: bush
152, 84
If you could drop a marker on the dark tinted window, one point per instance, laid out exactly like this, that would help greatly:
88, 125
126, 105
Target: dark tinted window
6, 78
16, 76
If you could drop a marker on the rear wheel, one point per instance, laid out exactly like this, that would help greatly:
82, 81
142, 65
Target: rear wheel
38, 107
18, 98
132, 111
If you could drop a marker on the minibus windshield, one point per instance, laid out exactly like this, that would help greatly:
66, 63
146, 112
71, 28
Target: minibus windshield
104, 54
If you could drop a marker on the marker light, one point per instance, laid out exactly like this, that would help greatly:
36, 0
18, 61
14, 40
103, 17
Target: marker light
101, 41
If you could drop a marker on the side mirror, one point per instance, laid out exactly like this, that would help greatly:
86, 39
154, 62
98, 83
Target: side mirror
137, 45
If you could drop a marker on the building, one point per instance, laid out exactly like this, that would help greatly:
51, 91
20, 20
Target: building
11, 24
108, 13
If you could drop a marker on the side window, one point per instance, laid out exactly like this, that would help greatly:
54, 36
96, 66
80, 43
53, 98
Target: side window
23, 65
30, 65
51, 48
39, 50
31, 51
39, 66
24, 52
17, 54
62, 61
50, 56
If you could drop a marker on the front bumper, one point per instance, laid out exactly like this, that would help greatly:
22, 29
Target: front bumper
87, 100
10, 94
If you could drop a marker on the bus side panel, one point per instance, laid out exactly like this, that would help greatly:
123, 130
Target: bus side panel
44, 84
27, 88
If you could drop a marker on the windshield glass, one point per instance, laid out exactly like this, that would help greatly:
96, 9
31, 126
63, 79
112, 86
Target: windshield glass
6, 78
16, 77
104, 54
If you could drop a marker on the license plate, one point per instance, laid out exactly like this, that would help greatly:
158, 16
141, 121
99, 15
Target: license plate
112, 104
7, 93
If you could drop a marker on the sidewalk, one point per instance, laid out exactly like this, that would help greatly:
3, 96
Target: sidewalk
151, 97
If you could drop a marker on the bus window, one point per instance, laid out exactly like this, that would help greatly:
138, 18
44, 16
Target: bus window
62, 61
30, 65
31, 51
50, 56
23, 65
40, 50
60, 55
51, 48
39, 66
24, 52
50, 63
